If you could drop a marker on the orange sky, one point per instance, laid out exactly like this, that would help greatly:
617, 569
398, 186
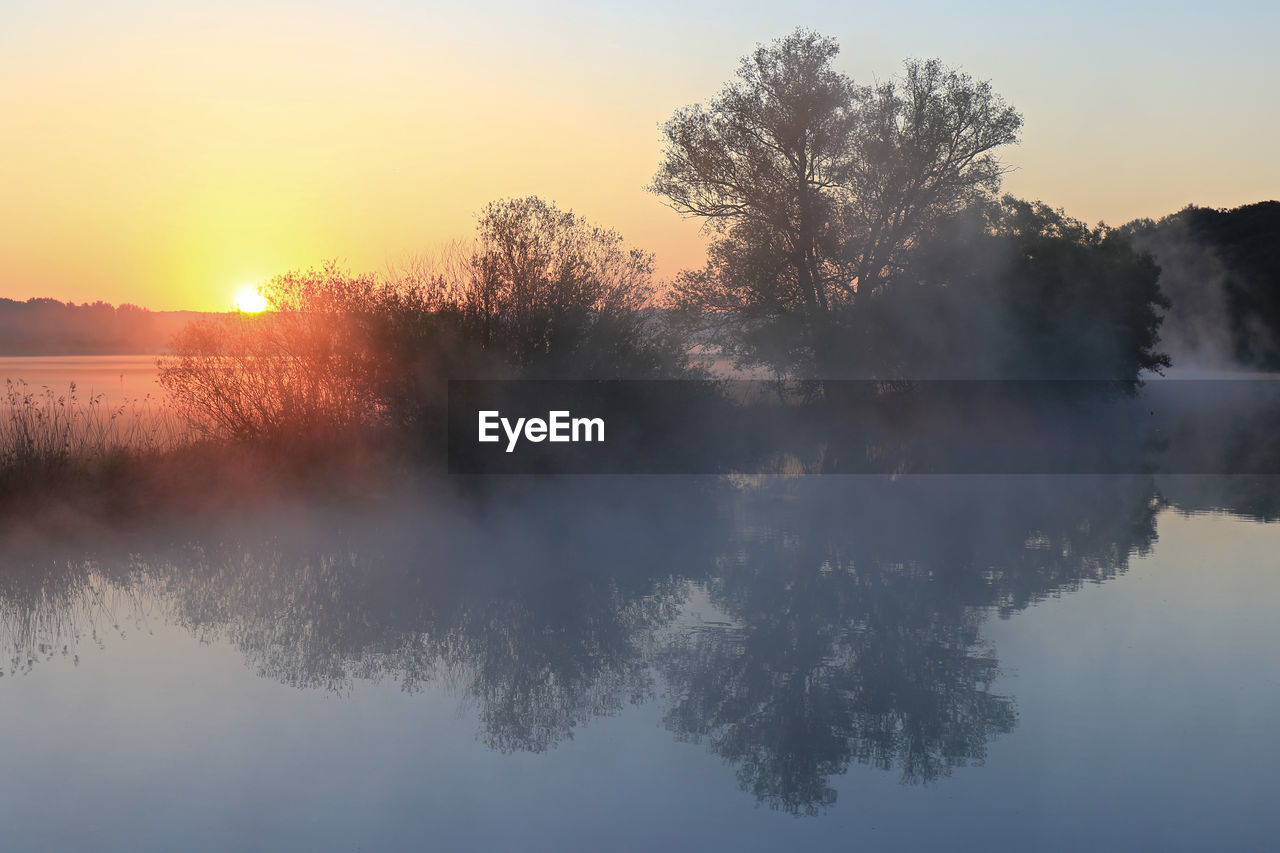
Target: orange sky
165, 154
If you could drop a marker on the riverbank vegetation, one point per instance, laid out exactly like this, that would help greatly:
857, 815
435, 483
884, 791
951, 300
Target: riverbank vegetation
857, 232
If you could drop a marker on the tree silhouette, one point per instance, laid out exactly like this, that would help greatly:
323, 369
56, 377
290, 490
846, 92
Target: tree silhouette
1014, 290
545, 293
541, 293
1219, 269
816, 187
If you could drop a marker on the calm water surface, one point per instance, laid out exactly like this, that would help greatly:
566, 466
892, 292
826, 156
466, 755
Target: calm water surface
117, 378
967, 663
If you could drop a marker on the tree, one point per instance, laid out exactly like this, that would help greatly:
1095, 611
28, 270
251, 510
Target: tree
312, 364
817, 187
1220, 270
922, 152
546, 293
541, 293
763, 161
1015, 290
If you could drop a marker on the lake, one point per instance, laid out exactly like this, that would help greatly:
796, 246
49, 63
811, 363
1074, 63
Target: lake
117, 378
640, 663
628, 663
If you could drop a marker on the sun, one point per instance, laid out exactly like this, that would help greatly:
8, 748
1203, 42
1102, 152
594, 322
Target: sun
249, 300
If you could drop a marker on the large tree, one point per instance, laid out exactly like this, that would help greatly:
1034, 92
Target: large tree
762, 162
816, 187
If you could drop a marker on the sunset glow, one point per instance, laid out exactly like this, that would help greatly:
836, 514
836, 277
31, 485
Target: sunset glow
599, 425
178, 150
250, 300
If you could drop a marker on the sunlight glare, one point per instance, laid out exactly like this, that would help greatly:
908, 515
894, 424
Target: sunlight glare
250, 300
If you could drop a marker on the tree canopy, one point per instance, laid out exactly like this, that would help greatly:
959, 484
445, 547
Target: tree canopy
1221, 272
817, 187
540, 293
544, 292
1014, 290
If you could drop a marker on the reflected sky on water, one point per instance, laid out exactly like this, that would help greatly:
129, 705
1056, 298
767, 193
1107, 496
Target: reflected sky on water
117, 379
689, 663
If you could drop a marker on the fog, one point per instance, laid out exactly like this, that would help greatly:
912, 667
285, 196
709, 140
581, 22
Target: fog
868, 546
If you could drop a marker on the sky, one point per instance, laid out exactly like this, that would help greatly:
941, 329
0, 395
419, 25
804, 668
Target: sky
168, 153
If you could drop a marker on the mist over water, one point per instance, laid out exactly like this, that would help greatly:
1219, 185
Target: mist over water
912, 516
1217, 268
279, 604
547, 662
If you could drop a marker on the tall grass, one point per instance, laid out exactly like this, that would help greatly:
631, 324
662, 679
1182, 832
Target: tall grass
74, 467
45, 433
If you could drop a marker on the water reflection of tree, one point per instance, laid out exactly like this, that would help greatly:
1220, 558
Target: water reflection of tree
852, 607
854, 610
537, 614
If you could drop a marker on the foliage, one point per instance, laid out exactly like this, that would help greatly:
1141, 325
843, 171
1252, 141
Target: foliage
1020, 290
1221, 272
545, 293
922, 153
817, 188
309, 363
541, 293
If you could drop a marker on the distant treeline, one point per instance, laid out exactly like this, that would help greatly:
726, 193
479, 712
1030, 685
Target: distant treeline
50, 327
1220, 271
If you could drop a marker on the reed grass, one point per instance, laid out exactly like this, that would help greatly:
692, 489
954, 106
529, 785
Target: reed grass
74, 467
45, 433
